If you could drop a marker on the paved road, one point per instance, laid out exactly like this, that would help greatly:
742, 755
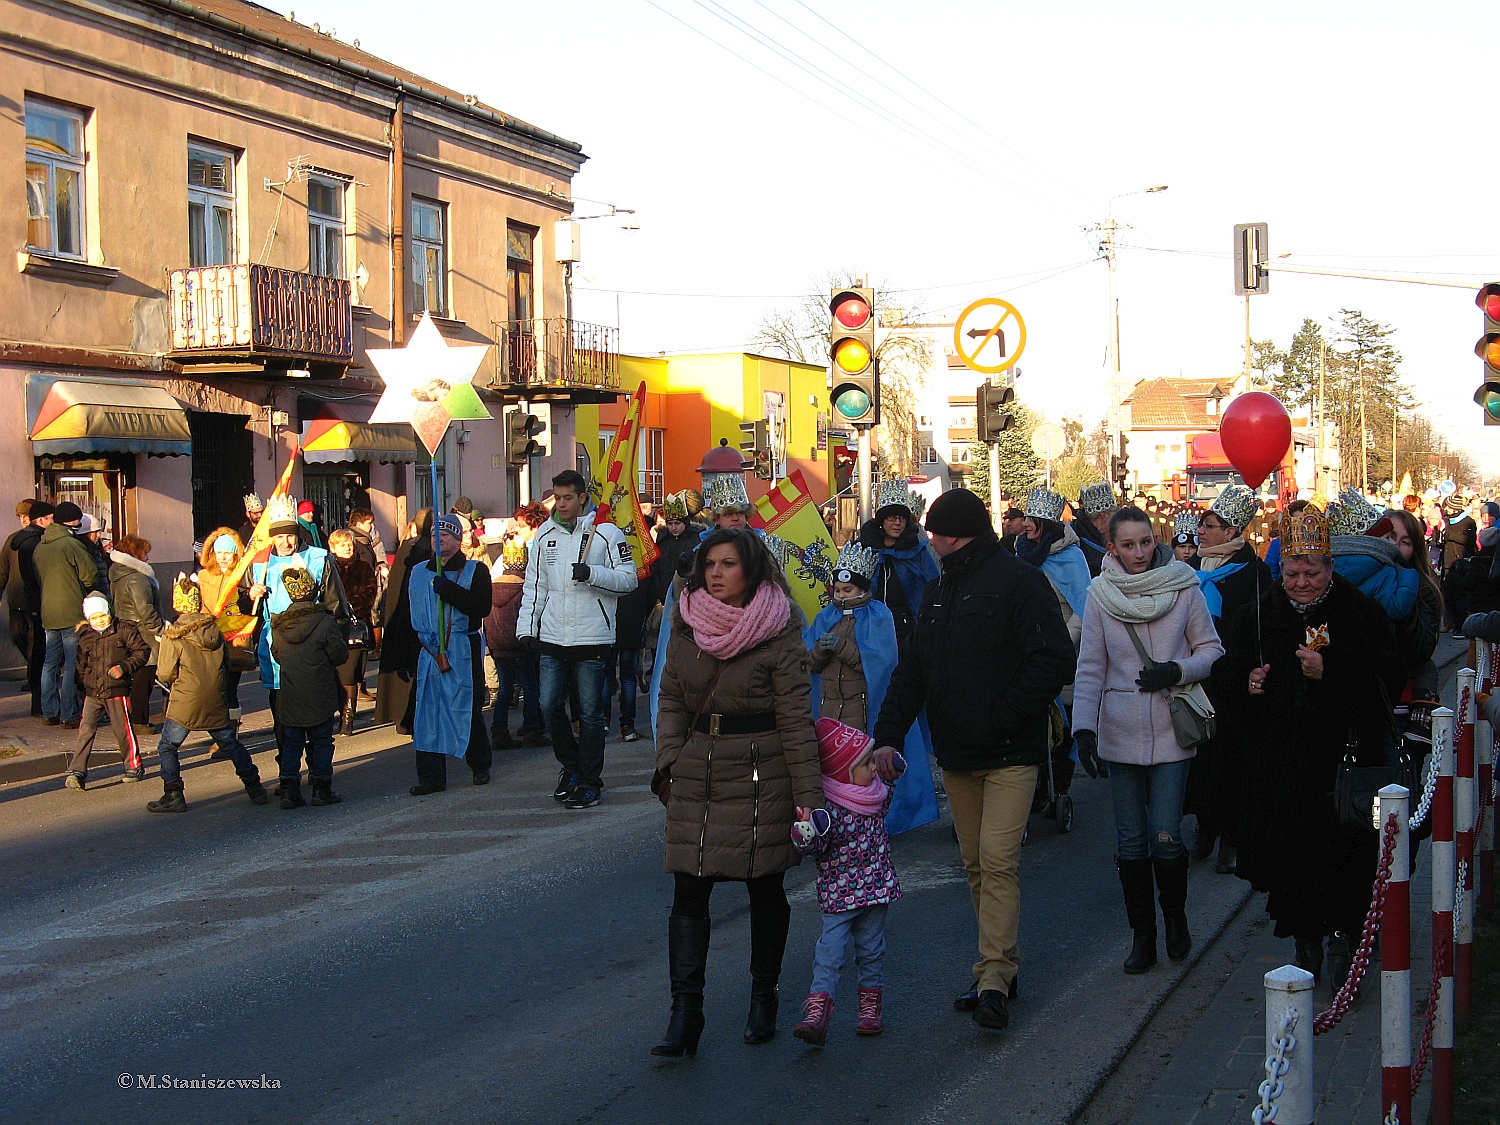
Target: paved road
484, 954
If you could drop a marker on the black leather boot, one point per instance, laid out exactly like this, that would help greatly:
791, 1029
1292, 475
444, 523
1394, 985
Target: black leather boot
351, 704
687, 961
1135, 882
1171, 889
768, 930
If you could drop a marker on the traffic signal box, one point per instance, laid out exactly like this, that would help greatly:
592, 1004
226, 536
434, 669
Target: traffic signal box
756, 445
992, 415
1488, 350
520, 436
851, 349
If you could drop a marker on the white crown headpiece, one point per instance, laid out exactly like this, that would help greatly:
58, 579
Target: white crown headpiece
1186, 524
281, 510
856, 560
725, 492
1352, 514
1096, 498
895, 492
1044, 504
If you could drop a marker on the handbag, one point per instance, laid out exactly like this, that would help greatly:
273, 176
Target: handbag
1356, 788
1193, 718
360, 634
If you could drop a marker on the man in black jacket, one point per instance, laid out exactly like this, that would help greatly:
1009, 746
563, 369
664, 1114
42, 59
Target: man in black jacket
23, 592
988, 656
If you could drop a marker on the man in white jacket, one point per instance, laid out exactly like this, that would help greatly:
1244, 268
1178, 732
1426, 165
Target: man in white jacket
575, 571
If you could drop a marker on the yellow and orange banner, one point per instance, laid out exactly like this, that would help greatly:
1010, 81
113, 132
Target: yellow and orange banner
614, 487
788, 511
259, 547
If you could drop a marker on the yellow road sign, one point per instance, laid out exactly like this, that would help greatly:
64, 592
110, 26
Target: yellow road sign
979, 336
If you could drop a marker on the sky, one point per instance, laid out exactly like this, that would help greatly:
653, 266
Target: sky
955, 150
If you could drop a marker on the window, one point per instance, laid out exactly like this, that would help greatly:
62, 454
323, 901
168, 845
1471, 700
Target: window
961, 420
925, 421
958, 455
325, 226
929, 455
519, 246
54, 179
210, 177
653, 457
429, 257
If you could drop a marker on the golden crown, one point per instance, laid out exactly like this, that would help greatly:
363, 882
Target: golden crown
1305, 533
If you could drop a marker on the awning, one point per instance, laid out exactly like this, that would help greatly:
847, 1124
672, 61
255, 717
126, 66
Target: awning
1207, 452
329, 440
104, 416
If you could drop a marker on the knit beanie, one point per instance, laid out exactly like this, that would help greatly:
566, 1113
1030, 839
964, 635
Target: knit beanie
67, 512
95, 603
958, 513
840, 746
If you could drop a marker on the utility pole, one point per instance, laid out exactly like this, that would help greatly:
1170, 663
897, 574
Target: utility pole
862, 466
1321, 451
1248, 345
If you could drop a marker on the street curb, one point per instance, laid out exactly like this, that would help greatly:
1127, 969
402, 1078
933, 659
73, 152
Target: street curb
30, 767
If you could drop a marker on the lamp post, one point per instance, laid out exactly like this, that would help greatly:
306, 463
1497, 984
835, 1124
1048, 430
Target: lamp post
1107, 246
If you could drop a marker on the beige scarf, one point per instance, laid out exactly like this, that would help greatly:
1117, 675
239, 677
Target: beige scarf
1143, 597
1211, 558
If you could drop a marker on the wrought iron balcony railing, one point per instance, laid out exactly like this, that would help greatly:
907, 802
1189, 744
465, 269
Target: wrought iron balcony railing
555, 353
256, 312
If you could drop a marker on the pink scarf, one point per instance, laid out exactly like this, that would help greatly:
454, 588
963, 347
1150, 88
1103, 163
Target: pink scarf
867, 800
724, 630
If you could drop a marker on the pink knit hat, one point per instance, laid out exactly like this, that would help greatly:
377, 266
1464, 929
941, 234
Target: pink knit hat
840, 746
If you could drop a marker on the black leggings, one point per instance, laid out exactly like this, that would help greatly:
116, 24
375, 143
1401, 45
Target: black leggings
767, 895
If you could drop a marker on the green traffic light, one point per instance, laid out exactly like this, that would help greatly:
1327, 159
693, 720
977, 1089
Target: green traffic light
1491, 405
852, 402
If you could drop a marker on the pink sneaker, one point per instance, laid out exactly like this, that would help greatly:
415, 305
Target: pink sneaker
814, 1026
870, 1021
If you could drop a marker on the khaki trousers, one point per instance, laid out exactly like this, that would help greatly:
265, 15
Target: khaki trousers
990, 808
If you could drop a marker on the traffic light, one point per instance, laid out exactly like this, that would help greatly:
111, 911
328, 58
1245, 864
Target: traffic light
1119, 464
991, 416
1488, 350
851, 349
1251, 253
520, 436
756, 445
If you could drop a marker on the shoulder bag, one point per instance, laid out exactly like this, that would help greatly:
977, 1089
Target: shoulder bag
1356, 788
1193, 720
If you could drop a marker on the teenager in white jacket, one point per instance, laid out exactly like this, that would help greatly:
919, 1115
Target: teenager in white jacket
575, 571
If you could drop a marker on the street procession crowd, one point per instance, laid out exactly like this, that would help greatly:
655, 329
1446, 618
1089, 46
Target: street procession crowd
1151, 645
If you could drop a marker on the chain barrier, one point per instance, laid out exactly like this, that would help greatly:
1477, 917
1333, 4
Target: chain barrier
1327, 1021
1429, 787
1458, 896
1424, 1048
1277, 1064
1390, 1117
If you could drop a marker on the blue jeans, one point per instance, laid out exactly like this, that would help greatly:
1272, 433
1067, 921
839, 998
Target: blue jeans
1148, 809
518, 670
865, 928
59, 683
173, 735
319, 743
583, 757
624, 668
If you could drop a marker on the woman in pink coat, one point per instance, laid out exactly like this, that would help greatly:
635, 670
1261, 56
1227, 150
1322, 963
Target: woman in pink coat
1122, 714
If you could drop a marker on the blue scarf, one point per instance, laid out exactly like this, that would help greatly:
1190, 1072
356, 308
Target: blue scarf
1068, 571
1208, 582
914, 566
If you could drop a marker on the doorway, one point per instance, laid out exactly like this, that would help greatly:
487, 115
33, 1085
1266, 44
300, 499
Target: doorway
223, 469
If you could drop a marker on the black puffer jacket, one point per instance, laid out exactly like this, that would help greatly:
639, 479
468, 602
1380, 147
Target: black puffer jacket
673, 549
988, 656
309, 645
121, 645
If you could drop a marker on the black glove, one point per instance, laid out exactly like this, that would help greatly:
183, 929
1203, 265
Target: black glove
1088, 751
1158, 677
532, 645
447, 589
581, 572
403, 675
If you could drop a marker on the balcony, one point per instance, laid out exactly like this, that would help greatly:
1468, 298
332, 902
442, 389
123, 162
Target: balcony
559, 358
259, 314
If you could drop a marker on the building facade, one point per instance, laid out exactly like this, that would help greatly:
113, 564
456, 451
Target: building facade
224, 209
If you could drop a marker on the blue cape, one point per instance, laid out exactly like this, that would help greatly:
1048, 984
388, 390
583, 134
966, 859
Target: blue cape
1068, 571
1208, 582
914, 566
915, 802
1394, 587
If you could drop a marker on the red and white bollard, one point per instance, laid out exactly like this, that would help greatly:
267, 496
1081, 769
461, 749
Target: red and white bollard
1395, 963
1465, 820
1444, 870
1484, 759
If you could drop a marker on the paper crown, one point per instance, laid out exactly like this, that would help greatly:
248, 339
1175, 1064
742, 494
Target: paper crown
725, 492
513, 555
1186, 524
300, 585
782, 551
282, 512
186, 597
1096, 498
1352, 514
674, 507
253, 503
1305, 533
860, 562
1044, 504
1236, 506
894, 492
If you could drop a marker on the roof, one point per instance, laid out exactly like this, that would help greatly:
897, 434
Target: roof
276, 30
1174, 404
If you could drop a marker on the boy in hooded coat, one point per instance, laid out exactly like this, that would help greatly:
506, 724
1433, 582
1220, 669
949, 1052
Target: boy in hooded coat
309, 648
193, 663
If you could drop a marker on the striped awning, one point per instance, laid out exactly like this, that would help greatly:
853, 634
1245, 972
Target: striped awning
331, 440
104, 416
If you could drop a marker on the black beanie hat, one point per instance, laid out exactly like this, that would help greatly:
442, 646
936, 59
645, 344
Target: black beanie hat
67, 512
960, 514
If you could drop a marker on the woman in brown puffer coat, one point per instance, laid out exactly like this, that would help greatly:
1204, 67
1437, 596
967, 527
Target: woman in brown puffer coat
737, 764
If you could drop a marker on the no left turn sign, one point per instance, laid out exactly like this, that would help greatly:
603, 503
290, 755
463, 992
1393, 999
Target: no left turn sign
981, 335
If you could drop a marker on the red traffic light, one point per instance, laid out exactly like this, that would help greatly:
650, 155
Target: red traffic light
1488, 299
850, 310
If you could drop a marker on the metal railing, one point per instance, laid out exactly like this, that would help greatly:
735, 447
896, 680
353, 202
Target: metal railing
254, 309
557, 352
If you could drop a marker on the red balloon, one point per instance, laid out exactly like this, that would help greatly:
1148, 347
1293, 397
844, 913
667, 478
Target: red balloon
1256, 432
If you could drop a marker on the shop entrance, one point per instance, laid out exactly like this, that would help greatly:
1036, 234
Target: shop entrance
336, 490
223, 470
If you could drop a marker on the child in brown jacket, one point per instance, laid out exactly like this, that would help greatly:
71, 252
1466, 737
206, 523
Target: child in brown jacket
109, 653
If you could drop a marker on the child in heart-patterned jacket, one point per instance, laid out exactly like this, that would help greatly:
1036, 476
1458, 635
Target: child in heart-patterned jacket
856, 881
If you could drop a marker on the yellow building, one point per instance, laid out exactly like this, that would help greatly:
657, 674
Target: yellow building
693, 402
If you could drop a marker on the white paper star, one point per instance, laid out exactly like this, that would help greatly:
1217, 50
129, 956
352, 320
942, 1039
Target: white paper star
428, 382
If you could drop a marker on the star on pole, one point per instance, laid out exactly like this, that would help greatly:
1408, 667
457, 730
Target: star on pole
428, 383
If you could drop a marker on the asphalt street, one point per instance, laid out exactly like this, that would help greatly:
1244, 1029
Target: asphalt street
485, 955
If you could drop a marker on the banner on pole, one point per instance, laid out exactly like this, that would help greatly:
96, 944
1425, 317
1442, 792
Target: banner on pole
787, 511
615, 490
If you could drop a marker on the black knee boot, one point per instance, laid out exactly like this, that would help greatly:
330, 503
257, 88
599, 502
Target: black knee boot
687, 960
1171, 888
768, 929
1135, 882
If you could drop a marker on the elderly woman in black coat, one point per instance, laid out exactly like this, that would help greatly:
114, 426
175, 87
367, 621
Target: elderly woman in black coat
1307, 684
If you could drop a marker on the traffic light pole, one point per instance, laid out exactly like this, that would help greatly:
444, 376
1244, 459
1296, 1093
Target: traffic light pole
523, 470
863, 469
997, 513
